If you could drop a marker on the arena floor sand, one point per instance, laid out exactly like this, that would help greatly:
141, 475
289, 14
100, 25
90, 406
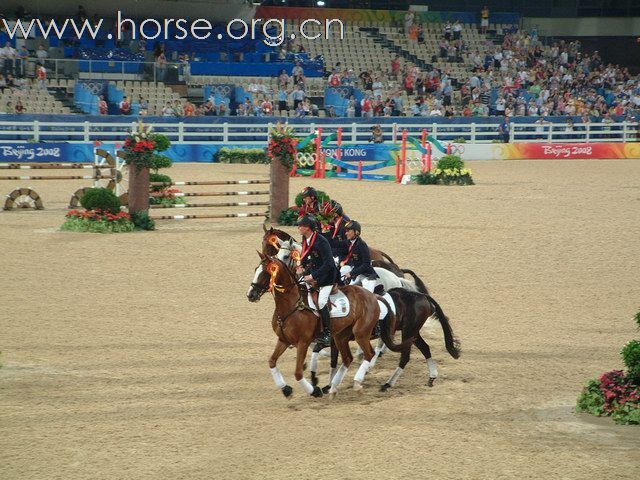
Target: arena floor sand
138, 356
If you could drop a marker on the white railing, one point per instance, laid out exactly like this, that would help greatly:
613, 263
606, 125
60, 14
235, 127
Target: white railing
245, 133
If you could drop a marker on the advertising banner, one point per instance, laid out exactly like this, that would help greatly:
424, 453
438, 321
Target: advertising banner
46, 152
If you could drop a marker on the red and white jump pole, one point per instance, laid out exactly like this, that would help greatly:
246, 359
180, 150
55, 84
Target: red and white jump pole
425, 155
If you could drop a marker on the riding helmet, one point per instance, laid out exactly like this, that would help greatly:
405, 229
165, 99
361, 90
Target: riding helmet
308, 221
353, 225
309, 192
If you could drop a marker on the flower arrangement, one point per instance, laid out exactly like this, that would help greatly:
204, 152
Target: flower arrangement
282, 145
166, 196
290, 216
143, 146
98, 221
615, 393
449, 171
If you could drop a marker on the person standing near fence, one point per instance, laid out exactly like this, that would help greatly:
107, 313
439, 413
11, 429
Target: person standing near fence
484, 20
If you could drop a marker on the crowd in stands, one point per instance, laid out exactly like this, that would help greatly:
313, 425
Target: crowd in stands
520, 77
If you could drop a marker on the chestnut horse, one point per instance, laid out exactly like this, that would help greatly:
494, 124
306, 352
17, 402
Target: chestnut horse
295, 323
270, 247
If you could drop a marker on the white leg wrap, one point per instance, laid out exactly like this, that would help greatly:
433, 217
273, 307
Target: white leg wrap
374, 360
304, 383
383, 310
332, 373
314, 362
362, 371
337, 378
278, 378
389, 300
396, 375
433, 368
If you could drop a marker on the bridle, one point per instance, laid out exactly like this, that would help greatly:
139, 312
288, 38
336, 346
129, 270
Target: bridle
275, 288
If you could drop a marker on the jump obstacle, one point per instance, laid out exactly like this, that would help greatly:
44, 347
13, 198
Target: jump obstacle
213, 194
344, 169
27, 197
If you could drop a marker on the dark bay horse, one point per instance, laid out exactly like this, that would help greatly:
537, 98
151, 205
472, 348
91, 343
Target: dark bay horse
270, 247
413, 309
296, 324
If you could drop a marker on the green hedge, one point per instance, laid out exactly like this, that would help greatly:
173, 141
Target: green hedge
242, 155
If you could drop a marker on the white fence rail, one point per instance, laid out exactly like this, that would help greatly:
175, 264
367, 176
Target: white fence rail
239, 133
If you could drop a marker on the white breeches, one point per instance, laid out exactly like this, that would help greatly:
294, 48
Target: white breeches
323, 296
361, 280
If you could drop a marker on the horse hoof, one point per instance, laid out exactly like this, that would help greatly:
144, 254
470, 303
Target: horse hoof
430, 382
314, 379
332, 395
287, 391
385, 387
326, 389
316, 392
357, 387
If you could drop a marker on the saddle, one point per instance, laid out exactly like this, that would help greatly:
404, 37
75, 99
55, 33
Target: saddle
339, 306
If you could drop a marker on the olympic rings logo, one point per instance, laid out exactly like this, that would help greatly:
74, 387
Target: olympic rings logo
306, 159
459, 148
221, 89
343, 92
95, 88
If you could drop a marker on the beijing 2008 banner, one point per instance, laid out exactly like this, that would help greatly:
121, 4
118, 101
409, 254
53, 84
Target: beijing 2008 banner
519, 151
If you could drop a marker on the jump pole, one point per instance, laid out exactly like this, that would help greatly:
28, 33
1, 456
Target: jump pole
401, 165
425, 155
339, 150
317, 173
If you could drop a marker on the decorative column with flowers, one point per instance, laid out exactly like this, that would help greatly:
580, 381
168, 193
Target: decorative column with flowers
142, 152
282, 151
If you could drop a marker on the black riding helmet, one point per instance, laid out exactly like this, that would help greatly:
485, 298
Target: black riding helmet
353, 225
308, 221
310, 192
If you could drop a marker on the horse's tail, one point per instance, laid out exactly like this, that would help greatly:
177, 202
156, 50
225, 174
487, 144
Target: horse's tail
422, 288
387, 257
450, 341
388, 328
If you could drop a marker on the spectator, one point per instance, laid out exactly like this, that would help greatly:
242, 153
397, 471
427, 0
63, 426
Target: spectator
297, 73
457, 30
351, 107
376, 134
21, 62
41, 54
222, 109
161, 67
42, 77
334, 79
283, 100
505, 128
9, 54
366, 106
331, 113
125, 106
19, 107
298, 97
8, 109
395, 66
189, 109
143, 105
178, 109
167, 111
283, 79
408, 21
484, 20
103, 108
448, 28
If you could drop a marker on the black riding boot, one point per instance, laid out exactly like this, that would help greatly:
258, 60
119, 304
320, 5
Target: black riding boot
325, 336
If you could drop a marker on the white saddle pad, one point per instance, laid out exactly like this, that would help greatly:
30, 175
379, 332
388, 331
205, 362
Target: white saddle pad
339, 305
